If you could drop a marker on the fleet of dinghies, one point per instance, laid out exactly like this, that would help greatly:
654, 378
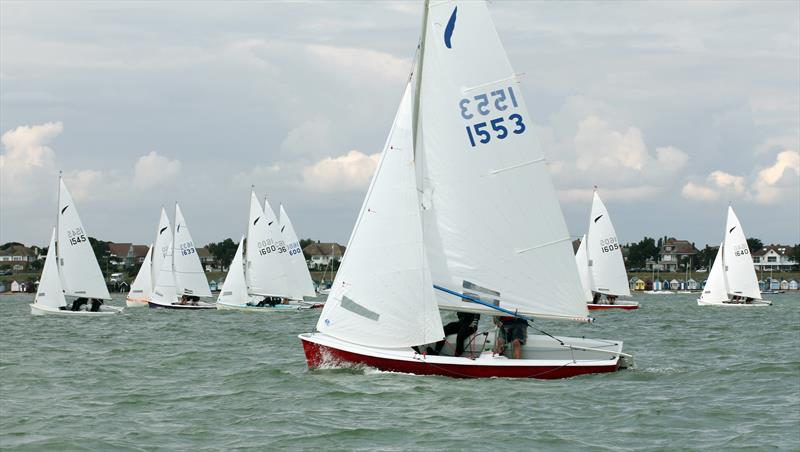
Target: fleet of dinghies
600, 263
70, 268
732, 280
268, 271
463, 201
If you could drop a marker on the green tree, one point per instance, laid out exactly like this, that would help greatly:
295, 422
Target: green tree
303, 244
754, 244
638, 253
796, 254
102, 253
705, 257
223, 251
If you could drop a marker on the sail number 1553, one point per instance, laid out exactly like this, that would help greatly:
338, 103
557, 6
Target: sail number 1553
496, 102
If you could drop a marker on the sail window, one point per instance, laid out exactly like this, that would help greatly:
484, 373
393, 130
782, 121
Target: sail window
355, 308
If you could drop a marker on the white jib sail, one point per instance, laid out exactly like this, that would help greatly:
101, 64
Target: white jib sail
715, 290
605, 253
266, 253
300, 283
80, 273
375, 299
582, 261
143, 284
162, 244
164, 288
234, 289
739, 270
50, 293
493, 226
190, 279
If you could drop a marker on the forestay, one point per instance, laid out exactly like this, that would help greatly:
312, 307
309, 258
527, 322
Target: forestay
162, 244
491, 220
300, 284
80, 273
143, 284
582, 262
266, 253
50, 293
739, 270
234, 289
716, 289
189, 276
382, 295
164, 288
605, 253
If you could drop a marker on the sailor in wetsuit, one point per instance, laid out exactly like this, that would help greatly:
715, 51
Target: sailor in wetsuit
466, 325
96, 303
79, 303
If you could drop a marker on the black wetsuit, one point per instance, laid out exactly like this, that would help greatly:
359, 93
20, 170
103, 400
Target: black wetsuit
466, 325
76, 305
96, 305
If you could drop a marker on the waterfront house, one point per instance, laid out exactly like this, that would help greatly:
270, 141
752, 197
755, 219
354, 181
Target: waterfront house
784, 285
674, 284
691, 284
774, 284
774, 257
793, 285
762, 285
16, 287
127, 254
648, 285
632, 283
207, 259
639, 285
322, 254
673, 255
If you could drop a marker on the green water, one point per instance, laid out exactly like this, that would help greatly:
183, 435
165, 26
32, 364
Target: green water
705, 378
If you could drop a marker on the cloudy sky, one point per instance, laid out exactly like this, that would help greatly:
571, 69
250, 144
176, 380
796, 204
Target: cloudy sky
673, 109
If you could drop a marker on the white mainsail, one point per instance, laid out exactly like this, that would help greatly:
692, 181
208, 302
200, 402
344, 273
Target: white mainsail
162, 244
492, 223
604, 253
164, 288
375, 300
78, 268
265, 253
189, 276
583, 269
739, 270
300, 283
143, 284
716, 289
234, 289
50, 292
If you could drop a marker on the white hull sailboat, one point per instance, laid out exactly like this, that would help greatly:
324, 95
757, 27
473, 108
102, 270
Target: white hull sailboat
732, 279
600, 263
142, 287
259, 278
70, 268
471, 220
180, 282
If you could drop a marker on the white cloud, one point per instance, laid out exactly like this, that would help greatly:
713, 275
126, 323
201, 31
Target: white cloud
348, 61
87, 184
27, 161
351, 171
308, 138
773, 182
598, 147
699, 192
671, 158
153, 170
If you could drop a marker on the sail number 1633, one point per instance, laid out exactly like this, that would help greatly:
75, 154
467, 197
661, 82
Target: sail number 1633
497, 102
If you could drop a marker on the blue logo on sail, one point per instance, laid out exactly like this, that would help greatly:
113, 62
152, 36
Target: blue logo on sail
448, 30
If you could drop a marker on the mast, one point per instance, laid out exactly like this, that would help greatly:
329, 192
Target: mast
58, 225
174, 235
418, 70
